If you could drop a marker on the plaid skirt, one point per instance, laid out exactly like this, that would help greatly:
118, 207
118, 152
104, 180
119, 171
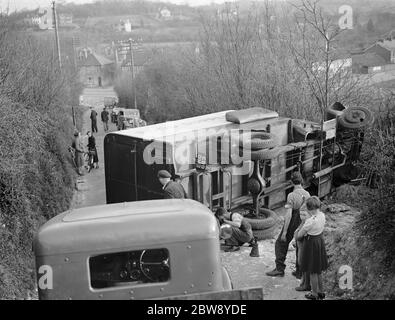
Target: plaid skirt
314, 258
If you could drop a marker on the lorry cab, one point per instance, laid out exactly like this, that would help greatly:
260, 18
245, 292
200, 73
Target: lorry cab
135, 250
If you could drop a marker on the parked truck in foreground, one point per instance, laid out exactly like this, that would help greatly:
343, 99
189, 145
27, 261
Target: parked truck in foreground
161, 249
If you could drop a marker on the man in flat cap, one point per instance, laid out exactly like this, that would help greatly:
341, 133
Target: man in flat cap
292, 221
172, 189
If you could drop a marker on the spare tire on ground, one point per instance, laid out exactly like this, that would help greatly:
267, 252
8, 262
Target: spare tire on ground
265, 220
265, 234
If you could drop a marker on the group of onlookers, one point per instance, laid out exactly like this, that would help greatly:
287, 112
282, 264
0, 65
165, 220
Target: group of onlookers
79, 147
105, 116
80, 151
304, 223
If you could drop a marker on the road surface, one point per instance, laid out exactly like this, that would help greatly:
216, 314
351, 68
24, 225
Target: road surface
95, 96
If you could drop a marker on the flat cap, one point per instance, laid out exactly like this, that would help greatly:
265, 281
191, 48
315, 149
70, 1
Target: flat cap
164, 174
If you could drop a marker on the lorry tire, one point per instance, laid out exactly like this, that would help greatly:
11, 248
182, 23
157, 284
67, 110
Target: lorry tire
265, 220
355, 118
265, 234
258, 140
265, 154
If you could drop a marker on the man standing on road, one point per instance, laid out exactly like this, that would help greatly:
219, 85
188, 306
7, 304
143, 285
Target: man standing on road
120, 120
104, 119
292, 221
78, 147
94, 120
172, 189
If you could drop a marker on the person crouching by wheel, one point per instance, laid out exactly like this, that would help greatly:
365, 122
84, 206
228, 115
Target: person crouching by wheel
241, 229
314, 258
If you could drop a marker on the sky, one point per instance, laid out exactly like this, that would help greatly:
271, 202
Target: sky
32, 4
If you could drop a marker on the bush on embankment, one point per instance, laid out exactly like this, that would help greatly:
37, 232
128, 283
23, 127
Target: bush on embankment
367, 244
36, 175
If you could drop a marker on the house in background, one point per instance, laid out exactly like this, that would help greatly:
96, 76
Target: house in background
369, 62
41, 19
124, 26
94, 69
65, 20
378, 57
164, 14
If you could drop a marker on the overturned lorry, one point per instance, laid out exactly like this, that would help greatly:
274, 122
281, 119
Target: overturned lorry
233, 158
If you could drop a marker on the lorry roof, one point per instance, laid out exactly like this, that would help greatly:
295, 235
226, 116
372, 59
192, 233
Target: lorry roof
165, 129
125, 225
215, 121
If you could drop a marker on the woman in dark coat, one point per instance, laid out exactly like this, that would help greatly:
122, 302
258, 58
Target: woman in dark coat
92, 149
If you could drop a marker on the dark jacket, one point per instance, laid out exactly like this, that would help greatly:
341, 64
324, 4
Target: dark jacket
91, 143
93, 115
174, 190
104, 116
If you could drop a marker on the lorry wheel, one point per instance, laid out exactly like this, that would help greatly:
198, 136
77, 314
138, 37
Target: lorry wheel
358, 115
265, 154
265, 220
265, 234
355, 118
258, 140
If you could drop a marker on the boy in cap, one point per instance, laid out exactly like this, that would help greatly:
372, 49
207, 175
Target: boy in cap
292, 221
172, 189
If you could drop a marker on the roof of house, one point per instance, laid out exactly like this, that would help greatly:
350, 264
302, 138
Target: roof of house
389, 35
94, 59
387, 44
368, 59
386, 41
140, 57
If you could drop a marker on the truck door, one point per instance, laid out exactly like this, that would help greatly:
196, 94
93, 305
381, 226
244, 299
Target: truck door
121, 177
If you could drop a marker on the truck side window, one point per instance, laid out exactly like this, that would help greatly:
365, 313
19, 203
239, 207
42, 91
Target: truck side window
129, 268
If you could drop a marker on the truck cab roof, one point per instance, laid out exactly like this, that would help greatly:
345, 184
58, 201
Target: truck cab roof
117, 226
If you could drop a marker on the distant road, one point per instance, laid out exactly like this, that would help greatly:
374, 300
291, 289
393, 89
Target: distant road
95, 96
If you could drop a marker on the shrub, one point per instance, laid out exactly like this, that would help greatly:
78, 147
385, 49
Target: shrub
378, 162
36, 179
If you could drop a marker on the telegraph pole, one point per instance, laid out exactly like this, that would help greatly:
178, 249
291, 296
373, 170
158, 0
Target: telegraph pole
55, 20
133, 80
